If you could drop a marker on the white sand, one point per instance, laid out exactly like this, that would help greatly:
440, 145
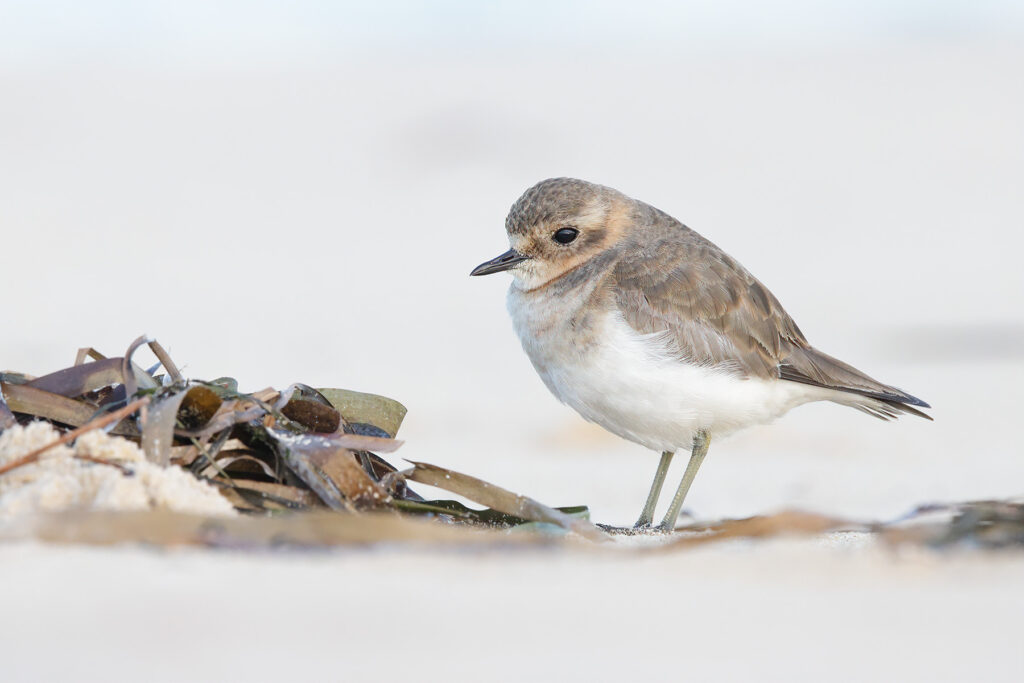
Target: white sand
59, 481
782, 611
875, 191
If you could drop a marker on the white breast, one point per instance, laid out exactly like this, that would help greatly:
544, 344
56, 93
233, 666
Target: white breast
633, 386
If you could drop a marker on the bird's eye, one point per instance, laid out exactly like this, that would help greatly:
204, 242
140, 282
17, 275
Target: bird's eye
565, 235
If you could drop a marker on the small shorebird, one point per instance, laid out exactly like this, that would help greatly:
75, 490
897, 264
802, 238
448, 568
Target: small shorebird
651, 331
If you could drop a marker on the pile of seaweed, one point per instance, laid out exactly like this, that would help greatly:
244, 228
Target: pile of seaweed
298, 449
306, 467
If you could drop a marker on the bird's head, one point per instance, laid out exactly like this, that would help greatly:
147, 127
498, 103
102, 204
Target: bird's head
557, 226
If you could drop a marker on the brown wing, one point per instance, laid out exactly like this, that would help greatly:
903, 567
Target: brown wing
711, 308
716, 313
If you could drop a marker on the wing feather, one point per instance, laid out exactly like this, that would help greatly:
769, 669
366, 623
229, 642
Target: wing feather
714, 312
710, 307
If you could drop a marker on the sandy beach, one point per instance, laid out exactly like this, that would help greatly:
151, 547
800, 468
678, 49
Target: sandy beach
317, 224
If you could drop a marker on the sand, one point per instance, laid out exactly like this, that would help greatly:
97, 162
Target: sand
875, 190
779, 611
61, 481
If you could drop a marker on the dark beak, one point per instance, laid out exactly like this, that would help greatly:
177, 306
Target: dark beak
503, 262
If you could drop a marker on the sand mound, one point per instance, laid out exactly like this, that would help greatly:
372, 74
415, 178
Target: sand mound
59, 481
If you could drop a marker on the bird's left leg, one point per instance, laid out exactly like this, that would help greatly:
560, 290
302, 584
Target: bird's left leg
652, 498
700, 448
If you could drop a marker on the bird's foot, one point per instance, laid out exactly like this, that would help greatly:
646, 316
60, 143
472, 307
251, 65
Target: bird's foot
635, 530
619, 530
642, 524
667, 527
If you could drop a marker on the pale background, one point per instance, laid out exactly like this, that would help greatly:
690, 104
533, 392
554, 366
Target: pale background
297, 191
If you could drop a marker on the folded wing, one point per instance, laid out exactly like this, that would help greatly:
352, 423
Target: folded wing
711, 311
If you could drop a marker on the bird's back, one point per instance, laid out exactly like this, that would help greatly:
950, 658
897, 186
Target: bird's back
672, 281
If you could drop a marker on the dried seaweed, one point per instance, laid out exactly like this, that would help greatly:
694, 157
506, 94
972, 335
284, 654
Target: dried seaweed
80, 379
502, 500
6, 416
984, 524
158, 428
305, 530
37, 403
302, 448
367, 409
784, 523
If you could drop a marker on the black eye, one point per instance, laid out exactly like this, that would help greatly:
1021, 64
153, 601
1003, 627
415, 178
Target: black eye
565, 235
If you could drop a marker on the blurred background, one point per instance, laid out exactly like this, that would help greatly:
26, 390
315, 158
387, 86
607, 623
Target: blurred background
297, 191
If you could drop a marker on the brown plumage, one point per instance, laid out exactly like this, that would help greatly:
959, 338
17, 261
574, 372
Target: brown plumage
677, 282
653, 332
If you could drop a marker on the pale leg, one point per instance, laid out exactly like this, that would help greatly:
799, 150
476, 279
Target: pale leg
700, 449
652, 498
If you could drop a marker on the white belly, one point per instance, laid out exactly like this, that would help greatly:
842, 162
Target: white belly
632, 386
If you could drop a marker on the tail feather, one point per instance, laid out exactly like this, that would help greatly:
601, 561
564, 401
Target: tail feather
883, 410
807, 365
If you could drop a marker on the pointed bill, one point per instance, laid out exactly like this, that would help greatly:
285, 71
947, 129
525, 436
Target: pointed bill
507, 260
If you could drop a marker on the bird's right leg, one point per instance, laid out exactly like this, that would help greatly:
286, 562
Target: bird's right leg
697, 453
647, 516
